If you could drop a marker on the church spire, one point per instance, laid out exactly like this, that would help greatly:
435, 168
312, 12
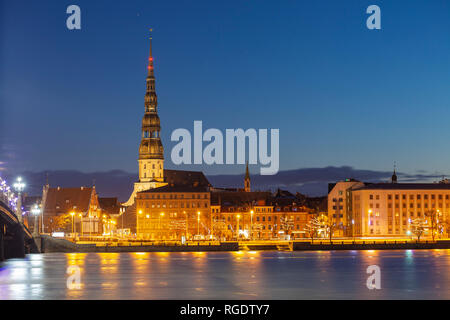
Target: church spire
151, 146
247, 180
394, 175
151, 100
150, 58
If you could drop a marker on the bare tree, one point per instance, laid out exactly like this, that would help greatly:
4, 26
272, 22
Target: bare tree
418, 227
328, 224
286, 224
435, 221
312, 226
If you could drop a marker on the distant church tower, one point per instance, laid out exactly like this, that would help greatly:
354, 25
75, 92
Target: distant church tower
247, 180
394, 176
151, 151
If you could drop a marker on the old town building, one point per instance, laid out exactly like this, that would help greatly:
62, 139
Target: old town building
170, 212
72, 209
393, 209
258, 215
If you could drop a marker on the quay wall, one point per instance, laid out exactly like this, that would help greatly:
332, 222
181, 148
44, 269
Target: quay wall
49, 244
371, 245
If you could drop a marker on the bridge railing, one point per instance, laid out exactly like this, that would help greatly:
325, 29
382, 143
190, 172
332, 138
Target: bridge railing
7, 196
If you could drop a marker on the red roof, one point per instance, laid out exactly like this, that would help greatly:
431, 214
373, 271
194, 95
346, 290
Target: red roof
65, 200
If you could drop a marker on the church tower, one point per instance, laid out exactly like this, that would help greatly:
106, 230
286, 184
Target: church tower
247, 180
394, 176
151, 151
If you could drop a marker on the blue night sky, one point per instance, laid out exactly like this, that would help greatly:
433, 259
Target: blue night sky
339, 93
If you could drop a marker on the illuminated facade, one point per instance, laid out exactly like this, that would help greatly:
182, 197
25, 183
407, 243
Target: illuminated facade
259, 223
389, 209
171, 212
258, 216
340, 206
72, 209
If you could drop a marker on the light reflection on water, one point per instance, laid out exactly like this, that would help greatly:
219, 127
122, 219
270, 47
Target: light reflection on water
409, 274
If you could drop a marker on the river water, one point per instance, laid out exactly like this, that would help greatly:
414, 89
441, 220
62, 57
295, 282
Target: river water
405, 274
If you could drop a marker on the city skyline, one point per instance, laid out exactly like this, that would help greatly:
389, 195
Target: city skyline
200, 151
105, 108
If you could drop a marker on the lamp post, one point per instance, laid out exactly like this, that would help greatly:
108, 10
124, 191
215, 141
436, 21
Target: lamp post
251, 224
187, 224
160, 227
72, 214
237, 229
138, 229
36, 211
19, 185
353, 229
81, 223
198, 222
122, 211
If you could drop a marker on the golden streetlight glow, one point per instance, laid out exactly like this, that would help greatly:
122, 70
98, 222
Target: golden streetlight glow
72, 214
251, 224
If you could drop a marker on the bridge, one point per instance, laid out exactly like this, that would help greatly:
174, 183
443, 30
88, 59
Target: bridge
15, 238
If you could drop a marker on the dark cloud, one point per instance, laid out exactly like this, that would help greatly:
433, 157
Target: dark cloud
310, 181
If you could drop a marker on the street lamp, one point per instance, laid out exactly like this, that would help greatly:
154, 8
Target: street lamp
72, 214
160, 216
36, 211
19, 185
160, 227
187, 223
81, 223
237, 229
198, 222
251, 224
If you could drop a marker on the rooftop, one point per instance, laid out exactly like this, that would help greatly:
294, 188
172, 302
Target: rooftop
405, 186
176, 188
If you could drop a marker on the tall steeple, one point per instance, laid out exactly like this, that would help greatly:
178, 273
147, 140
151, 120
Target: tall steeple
150, 93
394, 175
151, 151
247, 180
